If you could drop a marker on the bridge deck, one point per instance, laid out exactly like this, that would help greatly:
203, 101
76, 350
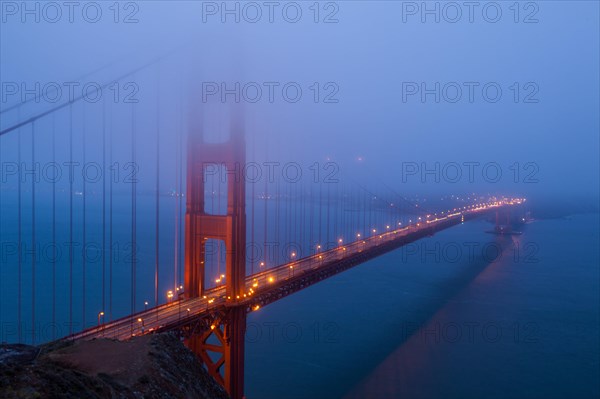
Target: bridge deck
275, 283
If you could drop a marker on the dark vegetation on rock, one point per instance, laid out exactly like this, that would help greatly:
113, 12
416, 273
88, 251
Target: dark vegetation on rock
152, 366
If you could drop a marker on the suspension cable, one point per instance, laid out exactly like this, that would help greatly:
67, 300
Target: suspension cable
76, 99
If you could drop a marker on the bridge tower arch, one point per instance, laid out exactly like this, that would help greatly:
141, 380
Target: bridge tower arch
503, 223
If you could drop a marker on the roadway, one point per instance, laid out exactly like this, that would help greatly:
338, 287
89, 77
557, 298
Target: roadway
176, 310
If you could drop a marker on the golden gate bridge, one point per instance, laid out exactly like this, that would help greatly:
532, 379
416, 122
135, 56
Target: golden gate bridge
214, 219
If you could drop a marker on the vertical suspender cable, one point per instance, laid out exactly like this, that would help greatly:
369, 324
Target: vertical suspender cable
288, 217
252, 226
327, 227
53, 232
368, 201
110, 224
339, 211
180, 218
343, 204
312, 234
133, 210
157, 210
265, 222
336, 211
300, 221
177, 194
292, 216
297, 214
71, 221
359, 212
19, 235
1, 237
215, 209
296, 209
364, 212
288, 210
265, 216
176, 246
84, 219
33, 259
103, 205
312, 217
277, 216
320, 213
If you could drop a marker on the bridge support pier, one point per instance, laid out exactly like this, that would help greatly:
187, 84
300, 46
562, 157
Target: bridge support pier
221, 348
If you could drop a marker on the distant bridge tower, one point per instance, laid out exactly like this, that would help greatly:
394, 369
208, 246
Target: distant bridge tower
225, 336
503, 224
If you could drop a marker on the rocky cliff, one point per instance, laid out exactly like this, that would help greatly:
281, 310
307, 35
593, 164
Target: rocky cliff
152, 366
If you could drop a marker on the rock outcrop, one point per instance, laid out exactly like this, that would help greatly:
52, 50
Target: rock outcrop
151, 366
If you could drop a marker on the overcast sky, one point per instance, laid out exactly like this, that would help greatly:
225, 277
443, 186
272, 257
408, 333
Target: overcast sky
370, 62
